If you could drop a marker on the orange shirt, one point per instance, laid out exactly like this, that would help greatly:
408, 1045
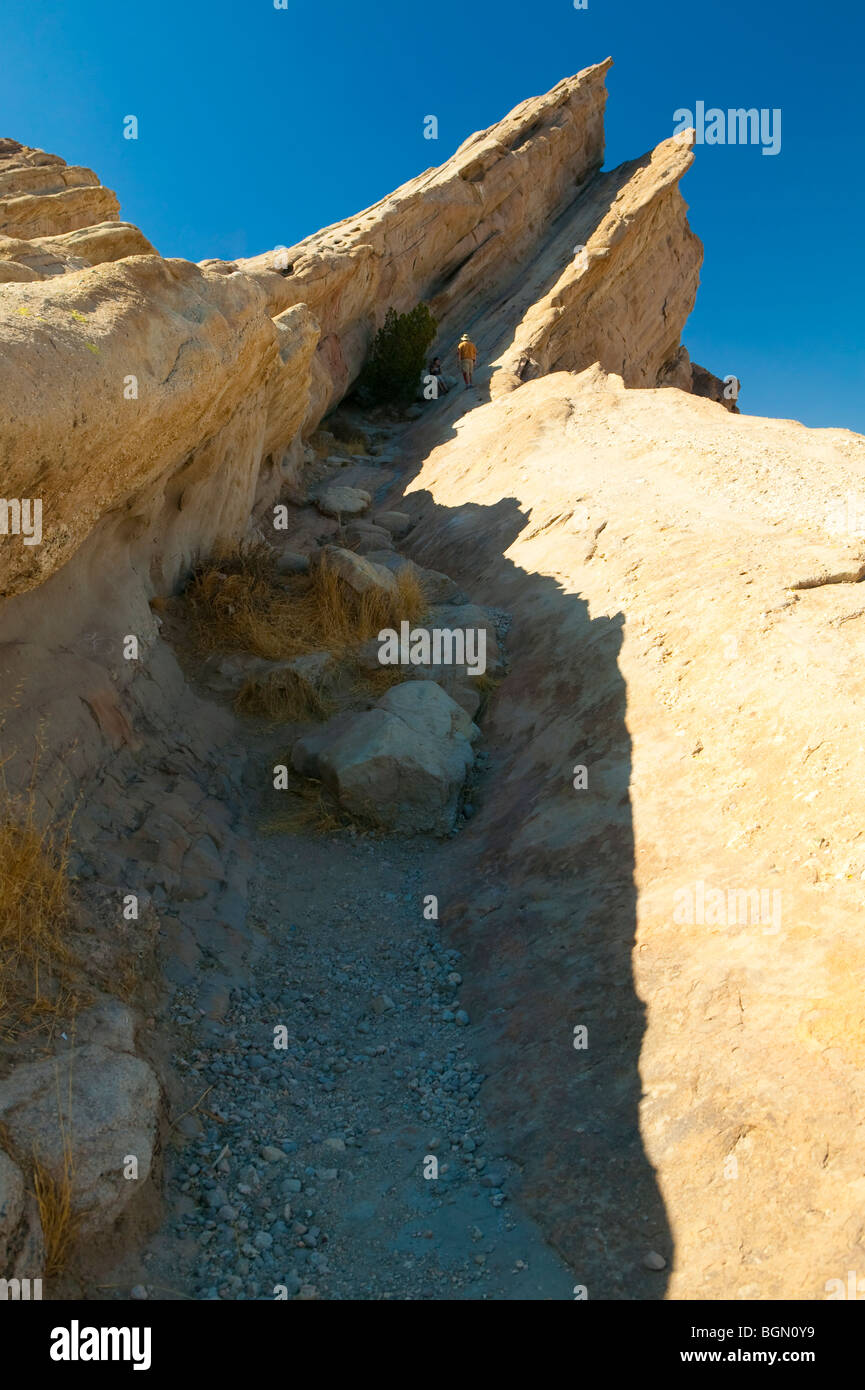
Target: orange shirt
467, 350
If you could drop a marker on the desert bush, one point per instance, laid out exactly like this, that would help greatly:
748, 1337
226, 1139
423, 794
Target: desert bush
397, 357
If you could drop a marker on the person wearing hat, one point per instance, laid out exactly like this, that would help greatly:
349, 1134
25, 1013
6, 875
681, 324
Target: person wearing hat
468, 355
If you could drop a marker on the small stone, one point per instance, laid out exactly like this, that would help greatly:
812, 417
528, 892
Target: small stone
139, 1292
272, 1155
461, 1018
382, 1003
654, 1261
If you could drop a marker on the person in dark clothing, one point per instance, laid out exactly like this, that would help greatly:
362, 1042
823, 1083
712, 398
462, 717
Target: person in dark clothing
435, 369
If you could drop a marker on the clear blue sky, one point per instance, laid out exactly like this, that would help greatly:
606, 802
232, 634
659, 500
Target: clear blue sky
258, 125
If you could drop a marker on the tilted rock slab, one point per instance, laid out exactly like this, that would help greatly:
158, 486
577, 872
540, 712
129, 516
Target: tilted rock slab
583, 267
40, 194
466, 225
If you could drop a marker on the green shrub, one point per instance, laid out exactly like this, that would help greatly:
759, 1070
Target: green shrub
397, 358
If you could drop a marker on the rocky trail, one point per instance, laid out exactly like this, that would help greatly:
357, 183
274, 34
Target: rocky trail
327, 1073
307, 1178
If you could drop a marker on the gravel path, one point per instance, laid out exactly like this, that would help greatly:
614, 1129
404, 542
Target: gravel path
341, 1069
313, 1181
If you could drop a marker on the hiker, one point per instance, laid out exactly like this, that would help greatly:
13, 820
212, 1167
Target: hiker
435, 369
468, 355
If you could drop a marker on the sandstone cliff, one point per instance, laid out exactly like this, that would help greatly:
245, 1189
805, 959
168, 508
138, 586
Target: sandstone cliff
56, 217
488, 238
180, 396
682, 629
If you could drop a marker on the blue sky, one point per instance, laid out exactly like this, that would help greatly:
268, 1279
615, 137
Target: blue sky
258, 125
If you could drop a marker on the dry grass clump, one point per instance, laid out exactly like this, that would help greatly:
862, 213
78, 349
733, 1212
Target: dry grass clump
377, 682
305, 807
238, 601
34, 908
308, 806
284, 698
53, 1193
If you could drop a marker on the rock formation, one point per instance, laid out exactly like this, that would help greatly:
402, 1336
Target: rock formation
658, 555
55, 218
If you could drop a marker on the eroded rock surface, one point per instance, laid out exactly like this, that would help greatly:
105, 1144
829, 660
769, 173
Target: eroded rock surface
663, 641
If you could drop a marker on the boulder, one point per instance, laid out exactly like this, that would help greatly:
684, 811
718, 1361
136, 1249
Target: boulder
397, 523
362, 537
462, 688
342, 501
22, 1249
401, 764
437, 587
104, 1104
356, 571
314, 669
304, 678
425, 707
290, 562
307, 750
229, 674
